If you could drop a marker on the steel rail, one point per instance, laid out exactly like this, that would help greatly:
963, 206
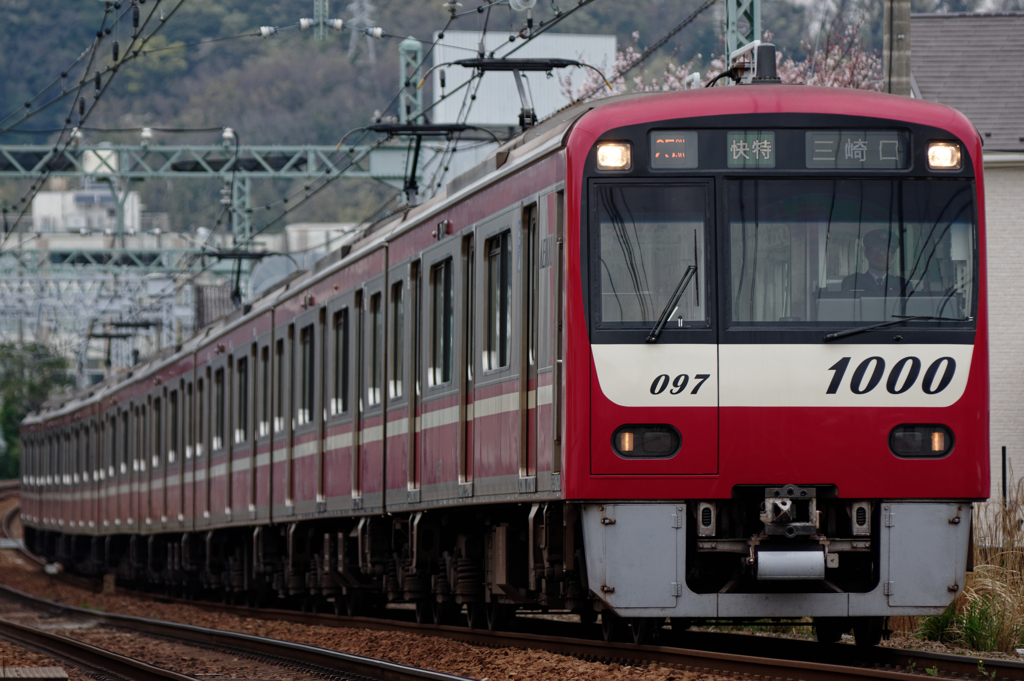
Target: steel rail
82, 654
705, 650
321, 659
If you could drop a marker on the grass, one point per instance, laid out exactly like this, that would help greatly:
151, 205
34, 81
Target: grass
988, 614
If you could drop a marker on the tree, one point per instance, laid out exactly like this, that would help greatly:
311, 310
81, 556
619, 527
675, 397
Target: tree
839, 60
29, 375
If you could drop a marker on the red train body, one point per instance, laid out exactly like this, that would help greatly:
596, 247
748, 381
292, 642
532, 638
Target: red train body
631, 364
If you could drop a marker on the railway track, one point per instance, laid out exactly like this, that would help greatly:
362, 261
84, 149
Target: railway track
765, 657
89, 658
310, 659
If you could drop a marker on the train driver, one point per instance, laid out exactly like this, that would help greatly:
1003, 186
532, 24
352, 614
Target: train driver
880, 252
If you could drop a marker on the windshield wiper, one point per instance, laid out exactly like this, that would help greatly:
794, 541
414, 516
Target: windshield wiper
691, 270
900, 319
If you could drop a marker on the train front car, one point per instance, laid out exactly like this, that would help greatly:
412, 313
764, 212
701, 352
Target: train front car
780, 296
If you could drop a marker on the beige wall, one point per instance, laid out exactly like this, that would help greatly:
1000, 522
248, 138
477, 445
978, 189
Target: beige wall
1004, 219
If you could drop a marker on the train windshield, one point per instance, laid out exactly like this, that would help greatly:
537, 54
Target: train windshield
850, 251
647, 237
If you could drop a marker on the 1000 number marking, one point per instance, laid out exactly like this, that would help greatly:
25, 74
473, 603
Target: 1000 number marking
679, 383
902, 377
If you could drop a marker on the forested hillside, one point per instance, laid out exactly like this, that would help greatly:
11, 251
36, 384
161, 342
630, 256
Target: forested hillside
292, 89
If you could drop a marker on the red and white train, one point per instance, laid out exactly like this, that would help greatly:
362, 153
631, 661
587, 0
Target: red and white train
694, 356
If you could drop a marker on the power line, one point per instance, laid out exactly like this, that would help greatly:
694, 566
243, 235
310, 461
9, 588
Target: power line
37, 185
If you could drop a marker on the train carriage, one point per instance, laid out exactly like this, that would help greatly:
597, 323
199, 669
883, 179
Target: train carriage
673, 357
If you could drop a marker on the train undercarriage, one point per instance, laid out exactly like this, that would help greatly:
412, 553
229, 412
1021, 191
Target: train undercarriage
797, 551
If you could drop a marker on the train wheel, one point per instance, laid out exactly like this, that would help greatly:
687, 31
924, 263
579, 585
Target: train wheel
354, 604
611, 626
497, 616
829, 629
443, 612
475, 615
641, 628
423, 613
867, 631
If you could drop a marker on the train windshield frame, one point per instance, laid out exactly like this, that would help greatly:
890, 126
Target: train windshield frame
844, 252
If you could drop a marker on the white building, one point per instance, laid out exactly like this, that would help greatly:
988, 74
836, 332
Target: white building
91, 210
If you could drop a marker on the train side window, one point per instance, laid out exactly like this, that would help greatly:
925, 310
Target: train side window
142, 440
397, 356
279, 402
264, 378
125, 442
111, 452
158, 433
77, 464
218, 410
470, 307
374, 395
442, 317
307, 378
241, 399
200, 420
172, 407
190, 419
497, 308
339, 397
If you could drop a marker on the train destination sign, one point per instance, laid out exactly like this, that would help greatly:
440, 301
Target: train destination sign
857, 149
673, 149
781, 149
751, 149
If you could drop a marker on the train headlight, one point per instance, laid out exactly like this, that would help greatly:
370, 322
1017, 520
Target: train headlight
646, 441
921, 441
614, 156
944, 156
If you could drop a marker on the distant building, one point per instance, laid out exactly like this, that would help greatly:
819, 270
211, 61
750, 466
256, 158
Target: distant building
90, 210
972, 62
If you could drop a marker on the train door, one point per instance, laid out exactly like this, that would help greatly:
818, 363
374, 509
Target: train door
498, 453
369, 480
201, 488
529, 276
175, 461
302, 474
122, 488
107, 468
281, 496
342, 423
654, 382
467, 365
219, 461
442, 409
547, 293
187, 513
240, 471
156, 514
400, 466
263, 436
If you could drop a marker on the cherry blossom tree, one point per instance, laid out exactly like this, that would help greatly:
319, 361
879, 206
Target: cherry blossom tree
839, 60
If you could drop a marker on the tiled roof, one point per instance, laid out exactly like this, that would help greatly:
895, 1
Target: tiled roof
974, 63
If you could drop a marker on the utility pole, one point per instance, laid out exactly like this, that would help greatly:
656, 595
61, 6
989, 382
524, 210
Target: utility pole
410, 102
896, 47
743, 24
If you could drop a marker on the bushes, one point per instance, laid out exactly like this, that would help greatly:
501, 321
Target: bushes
988, 615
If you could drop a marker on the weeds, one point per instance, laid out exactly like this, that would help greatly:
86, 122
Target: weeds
988, 615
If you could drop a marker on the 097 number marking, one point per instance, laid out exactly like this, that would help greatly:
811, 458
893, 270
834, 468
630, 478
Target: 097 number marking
902, 377
679, 383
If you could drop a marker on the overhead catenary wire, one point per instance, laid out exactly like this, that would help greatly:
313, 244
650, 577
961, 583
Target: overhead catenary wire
101, 90
657, 45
